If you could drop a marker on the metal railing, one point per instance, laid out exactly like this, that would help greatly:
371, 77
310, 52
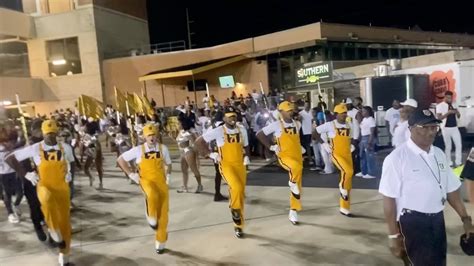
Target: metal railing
156, 48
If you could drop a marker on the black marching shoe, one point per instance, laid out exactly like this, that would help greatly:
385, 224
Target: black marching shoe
220, 197
238, 232
40, 234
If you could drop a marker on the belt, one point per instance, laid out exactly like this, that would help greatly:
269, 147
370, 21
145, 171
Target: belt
408, 211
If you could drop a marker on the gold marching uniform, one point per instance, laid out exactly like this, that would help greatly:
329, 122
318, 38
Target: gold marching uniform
153, 184
53, 194
234, 173
342, 159
291, 159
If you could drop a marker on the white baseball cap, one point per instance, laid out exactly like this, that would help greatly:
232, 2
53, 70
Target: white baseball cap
410, 102
348, 100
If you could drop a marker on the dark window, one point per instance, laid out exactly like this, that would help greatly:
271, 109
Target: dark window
63, 57
349, 53
404, 53
373, 53
384, 53
362, 53
336, 53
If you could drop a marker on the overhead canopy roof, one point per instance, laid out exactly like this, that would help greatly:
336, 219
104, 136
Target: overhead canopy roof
190, 70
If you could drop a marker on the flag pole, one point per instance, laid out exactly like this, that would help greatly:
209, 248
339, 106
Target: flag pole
22, 119
117, 112
263, 95
130, 124
322, 106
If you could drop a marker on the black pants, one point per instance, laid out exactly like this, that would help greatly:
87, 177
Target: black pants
71, 184
31, 197
11, 186
306, 143
217, 180
356, 159
425, 238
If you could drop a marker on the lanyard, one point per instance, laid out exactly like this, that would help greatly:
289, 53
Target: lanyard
438, 179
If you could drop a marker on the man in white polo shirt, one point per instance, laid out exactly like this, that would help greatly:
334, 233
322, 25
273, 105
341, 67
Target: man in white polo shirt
416, 183
306, 119
448, 113
401, 132
392, 116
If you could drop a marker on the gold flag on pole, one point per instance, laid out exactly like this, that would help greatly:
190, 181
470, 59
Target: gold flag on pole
147, 108
120, 101
92, 107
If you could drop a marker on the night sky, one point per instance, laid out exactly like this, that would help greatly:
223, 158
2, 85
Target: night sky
234, 20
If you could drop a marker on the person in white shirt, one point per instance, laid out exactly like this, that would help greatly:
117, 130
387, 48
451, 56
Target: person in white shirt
354, 115
416, 183
401, 132
392, 116
51, 179
233, 157
10, 184
448, 114
154, 164
339, 135
205, 101
306, 119
367, 144
288, 151
256, 96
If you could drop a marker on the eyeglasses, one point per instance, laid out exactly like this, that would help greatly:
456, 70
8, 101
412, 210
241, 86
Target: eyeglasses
429, 127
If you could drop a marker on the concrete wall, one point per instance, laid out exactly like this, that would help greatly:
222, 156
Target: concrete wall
64, 90
15, 23
136, 8
290, 37
124, 72
248, 73
27, 88
118, 32
380, 34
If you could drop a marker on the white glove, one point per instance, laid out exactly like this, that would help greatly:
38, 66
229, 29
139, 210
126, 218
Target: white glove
215, 156
246, 160
135, 177
352, 148
275, 149
68, 177
32, 177
168, 177
327, 147
303, 150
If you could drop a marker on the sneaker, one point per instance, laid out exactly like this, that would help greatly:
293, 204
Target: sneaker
368, 177
199, 189
346, 212
316, 168
159, 247
12, 218
293, 216
182, 190
63, 259
359, 174
268, 160
294, 188
238, 232
17, 210
325, 173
